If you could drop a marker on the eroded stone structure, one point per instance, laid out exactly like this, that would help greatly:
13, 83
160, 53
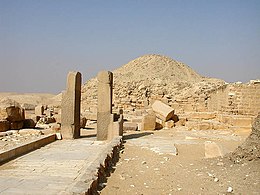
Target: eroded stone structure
104, 112
70, 107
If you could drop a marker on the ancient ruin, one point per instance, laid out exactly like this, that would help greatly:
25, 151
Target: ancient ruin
174, 122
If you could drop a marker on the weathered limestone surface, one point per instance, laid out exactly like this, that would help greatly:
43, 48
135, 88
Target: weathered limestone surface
130, 126
163, 111
49, 170
29, 123
12, 118
4, 125
202, 115
15, 114
105, 82
148, 122
212, 149
242, 99
39, 110
70, 107
116, 125
169, 124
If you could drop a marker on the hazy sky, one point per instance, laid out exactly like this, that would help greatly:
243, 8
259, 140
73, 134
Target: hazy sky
41, 40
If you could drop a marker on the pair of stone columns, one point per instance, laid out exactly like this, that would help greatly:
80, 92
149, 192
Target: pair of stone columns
70, 114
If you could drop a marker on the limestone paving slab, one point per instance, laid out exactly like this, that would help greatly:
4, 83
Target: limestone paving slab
168, 145
51, 169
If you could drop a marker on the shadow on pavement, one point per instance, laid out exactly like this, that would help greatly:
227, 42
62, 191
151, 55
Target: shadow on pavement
133, 136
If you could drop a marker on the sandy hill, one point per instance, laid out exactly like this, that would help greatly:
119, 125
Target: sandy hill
26, 99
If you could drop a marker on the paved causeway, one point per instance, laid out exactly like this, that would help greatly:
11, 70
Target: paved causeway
53, 169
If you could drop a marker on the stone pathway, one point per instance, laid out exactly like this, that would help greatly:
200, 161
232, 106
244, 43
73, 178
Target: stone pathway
167, 145
53, 169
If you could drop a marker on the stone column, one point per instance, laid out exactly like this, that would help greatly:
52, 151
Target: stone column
70, 107
105, 82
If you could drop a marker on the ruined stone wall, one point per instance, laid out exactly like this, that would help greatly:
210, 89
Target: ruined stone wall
236, 99
204, 96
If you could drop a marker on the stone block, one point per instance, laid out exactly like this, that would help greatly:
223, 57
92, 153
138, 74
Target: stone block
242, 121
224, 118
39, 110
129, 126
202, 115
15, 114
114, 128
244, 131
29, 123
162, 111
30, 132
4, 125
16, 125
205, 125
191, 125
148, 122
137, 119
212, 150
158, 126
219, 126
3, 114
181, 122
169, 124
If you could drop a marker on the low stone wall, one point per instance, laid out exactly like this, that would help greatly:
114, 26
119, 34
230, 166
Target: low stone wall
25, 148
100, 169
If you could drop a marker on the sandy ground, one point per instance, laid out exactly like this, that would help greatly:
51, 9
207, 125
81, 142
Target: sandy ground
142, 170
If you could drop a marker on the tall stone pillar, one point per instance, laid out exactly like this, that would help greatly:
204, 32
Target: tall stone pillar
105, 82
70, 107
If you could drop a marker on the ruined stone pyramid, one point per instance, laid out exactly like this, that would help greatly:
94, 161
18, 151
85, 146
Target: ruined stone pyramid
149, 76
151, 67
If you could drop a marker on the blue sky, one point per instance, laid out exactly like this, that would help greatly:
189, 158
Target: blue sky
41, 40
